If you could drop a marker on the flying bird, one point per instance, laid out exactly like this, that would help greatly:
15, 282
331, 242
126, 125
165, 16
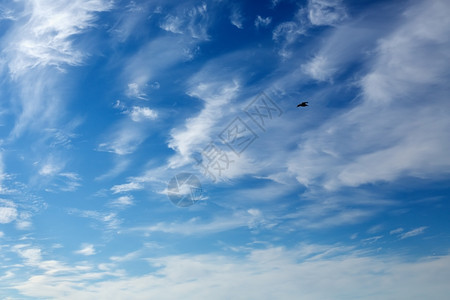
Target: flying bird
303, 104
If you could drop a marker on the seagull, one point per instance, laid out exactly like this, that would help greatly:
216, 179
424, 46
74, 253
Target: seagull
303, 104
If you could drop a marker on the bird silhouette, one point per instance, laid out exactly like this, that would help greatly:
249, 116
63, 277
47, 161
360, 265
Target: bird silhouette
303, 104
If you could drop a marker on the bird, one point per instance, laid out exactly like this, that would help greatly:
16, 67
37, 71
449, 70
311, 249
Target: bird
303, 104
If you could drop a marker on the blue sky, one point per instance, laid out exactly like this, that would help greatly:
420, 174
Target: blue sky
103, 102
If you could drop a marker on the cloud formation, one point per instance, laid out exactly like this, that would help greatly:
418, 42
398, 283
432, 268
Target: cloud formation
306, 272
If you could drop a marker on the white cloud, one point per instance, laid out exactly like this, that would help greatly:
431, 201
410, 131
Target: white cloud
61, 137
318, 12
348, 44
152, 59
326, 12
7, 214
109, 220
172, 24
127, 187
7, 13
372, 239
251, 219
192, 20
196, 134
336, 217
127, 257
50, 169
70, 181
321, 209
139, 114
135, 91
86, 249
377, 139
45, 35
262, 22
156, 178
414, 232
120, 165
23, 221
37, 48
136, 113
236, 18
129, 19
305, 272
53, 176
319, 68
3, 175
32, 256
124, 138
375, 229
8, 211
396, 231
126, 135
218, 86
123, 201
275, 3
287, 33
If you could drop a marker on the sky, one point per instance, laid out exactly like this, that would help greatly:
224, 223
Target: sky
154, 149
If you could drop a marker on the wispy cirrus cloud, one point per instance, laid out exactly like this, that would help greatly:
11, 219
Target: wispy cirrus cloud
236, 18
136, 91
407, 146
122, 201
191, 19
317, 13
127, 134
8, 211
35, 258
216, 92
251, 273
52, 176
251, 218
8, 12
334, 57
326, 12
262, 22
413, 232
44, 38
154, 57
141, 113
109, 220
288, 32
124, 138
396, 231
197, 131
119, 165
32, 256
322, 209
86, 249
3, 175
129, 18
127, 187
319, 68
40, 44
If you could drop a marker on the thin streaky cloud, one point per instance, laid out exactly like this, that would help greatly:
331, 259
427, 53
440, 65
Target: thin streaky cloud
105, 103
413, 232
